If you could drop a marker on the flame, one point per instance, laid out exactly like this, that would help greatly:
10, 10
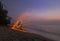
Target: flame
20, 27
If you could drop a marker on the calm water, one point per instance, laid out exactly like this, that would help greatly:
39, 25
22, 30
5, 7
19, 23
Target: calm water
49, 31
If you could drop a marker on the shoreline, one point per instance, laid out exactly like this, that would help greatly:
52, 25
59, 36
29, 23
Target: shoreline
13, 35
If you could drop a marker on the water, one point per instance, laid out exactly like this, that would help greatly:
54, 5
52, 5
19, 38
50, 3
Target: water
48, 31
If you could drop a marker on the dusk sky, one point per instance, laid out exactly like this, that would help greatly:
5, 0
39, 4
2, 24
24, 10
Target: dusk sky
43, 16
44, 9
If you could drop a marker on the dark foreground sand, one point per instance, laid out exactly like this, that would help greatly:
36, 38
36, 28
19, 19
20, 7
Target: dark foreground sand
11, 35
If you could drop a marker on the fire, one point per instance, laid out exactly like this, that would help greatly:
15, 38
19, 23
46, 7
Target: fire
20, 22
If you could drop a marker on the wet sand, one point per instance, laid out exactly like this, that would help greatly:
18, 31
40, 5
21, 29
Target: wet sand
6, 34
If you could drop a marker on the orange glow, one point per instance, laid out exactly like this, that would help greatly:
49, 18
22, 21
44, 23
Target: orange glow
20, 27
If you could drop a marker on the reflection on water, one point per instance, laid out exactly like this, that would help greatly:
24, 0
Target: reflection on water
49, 31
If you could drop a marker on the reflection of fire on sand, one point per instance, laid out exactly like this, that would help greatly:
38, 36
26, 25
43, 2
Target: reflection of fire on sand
18, 25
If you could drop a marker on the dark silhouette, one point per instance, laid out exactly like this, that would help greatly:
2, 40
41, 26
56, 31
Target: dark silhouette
4, 19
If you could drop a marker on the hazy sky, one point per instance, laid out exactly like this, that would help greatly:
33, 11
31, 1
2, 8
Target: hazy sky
46, 9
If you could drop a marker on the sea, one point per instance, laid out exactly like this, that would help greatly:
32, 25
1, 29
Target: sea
48, 31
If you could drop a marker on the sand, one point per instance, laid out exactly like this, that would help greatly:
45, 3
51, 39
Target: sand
7, 34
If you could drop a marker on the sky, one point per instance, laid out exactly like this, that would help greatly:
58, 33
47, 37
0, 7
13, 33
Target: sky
37, 9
